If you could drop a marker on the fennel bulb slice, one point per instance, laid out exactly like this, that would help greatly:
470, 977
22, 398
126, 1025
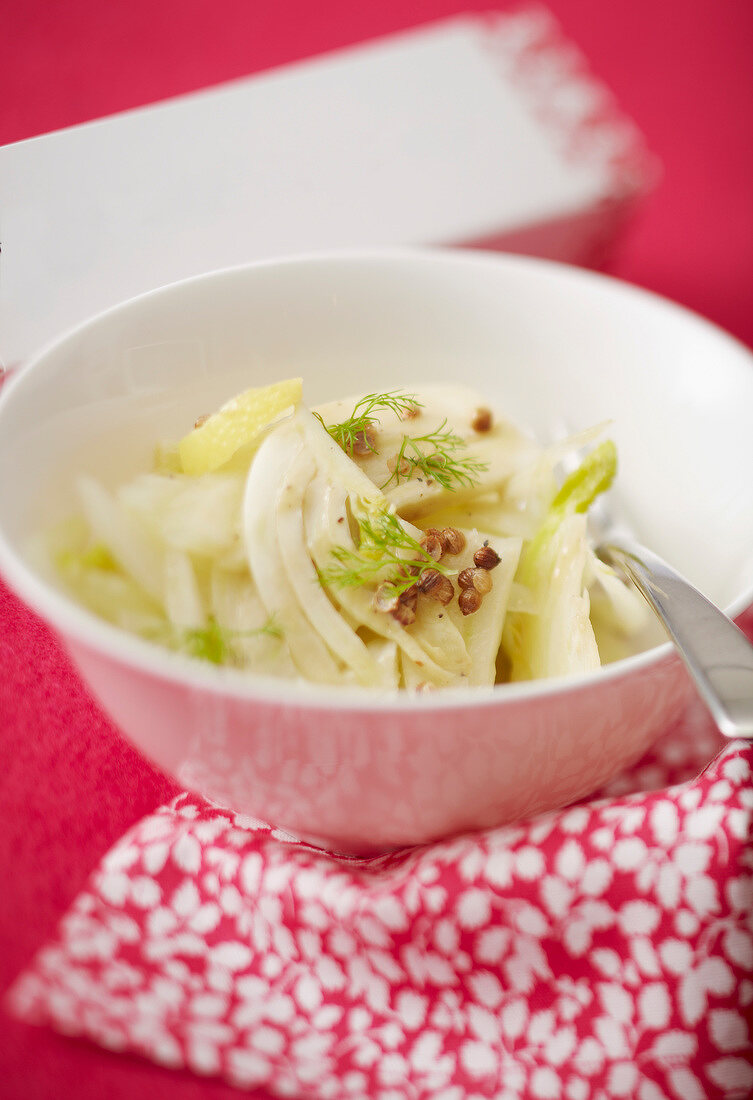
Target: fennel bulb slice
261, 502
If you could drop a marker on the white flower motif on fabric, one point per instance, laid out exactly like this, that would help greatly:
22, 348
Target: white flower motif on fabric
602, 952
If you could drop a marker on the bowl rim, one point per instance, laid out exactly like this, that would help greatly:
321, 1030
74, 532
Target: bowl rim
73, 622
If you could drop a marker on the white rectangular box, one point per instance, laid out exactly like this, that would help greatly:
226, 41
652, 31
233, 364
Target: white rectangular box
482, 130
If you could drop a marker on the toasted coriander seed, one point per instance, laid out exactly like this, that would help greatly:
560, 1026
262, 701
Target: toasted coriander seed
432, 544
469, 601
200, 420
364, 442
443, 592
405, 612
482, 581
428, 580
410, 596
486, 557
453, 541
410, 412
465, 578
403, 467
482, 420
385, 598
404, 615
435, 586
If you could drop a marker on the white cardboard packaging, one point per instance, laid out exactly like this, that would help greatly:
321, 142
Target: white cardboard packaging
483, 130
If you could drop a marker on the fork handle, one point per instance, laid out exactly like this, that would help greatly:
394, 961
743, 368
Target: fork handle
717, 654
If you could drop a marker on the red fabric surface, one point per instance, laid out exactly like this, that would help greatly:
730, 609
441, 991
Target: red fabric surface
70, 787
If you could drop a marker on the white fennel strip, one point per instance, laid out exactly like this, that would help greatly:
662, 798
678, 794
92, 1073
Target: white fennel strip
482, 631
558, 639
440, 638
340, 480
494, 513
386, 654
261, 503
204, 517
324, 530
332, 461
418, 495
183, 602
148, 496
341, 639
256, 641
133, 547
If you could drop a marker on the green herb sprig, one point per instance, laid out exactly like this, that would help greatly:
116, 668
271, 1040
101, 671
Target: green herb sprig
213, 642
378, 557
436, 456
355, 428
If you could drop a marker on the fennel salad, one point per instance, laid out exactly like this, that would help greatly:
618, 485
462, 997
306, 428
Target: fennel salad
402, 540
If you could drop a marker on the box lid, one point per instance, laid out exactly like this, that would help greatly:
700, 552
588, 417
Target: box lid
463, 131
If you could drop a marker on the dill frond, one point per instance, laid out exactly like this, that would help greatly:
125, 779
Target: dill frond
387, 554
348, 432
436, 456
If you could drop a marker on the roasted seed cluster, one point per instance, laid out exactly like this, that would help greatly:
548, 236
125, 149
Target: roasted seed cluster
474, 583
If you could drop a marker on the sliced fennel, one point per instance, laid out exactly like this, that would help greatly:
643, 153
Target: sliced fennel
482, 631
198, 515
183, 602
325, 530
258, 541
557, 638
342, 641
262, 498
132, 545
237, 424
340, 488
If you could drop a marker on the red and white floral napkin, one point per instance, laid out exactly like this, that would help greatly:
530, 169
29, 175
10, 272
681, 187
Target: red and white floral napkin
602, 951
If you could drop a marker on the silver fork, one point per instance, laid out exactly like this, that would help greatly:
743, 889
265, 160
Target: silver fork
716, 653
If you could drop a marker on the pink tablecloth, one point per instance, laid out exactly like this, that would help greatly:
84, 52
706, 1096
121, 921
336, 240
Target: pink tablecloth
70, 787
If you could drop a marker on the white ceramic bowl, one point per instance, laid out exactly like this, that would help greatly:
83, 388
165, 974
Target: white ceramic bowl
548, 344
